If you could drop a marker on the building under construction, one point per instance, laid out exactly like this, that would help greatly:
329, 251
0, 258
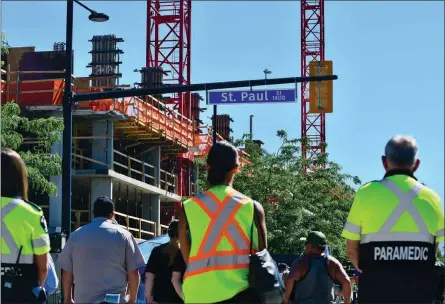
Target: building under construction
139, 151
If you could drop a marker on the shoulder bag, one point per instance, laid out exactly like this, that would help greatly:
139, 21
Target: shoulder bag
263, 271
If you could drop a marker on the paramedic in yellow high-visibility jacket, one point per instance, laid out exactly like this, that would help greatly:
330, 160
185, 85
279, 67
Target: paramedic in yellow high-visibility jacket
393, 231
25, 241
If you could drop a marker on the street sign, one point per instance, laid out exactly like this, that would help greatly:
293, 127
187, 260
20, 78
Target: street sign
320, 92
251, 96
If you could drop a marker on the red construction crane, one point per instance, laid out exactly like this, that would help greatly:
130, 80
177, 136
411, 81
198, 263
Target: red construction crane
313, 126
168, 47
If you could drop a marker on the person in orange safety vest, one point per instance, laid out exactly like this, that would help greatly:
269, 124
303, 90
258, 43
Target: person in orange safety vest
221, 229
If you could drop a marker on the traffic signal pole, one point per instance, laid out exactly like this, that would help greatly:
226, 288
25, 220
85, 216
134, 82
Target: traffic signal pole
197, 87
215, 110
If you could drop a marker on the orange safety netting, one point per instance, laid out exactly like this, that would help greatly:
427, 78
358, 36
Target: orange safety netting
146, 113
165, 122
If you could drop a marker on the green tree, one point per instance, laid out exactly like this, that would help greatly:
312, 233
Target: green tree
41, 134
4, 47
440, 254
295, 202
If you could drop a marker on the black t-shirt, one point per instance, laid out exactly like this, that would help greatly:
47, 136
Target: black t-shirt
163, 290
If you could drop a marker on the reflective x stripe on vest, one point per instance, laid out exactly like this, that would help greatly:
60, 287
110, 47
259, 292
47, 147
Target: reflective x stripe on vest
223, 223
405, 205
9, 240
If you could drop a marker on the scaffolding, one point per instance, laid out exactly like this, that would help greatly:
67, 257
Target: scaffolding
144, 118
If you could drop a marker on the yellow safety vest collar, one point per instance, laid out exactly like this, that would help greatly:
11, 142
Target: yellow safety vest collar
399, 172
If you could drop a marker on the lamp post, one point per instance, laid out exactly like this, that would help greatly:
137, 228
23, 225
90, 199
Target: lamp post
67, 111
266, 72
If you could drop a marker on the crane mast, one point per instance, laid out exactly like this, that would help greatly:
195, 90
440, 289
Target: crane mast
313, 126
168, 47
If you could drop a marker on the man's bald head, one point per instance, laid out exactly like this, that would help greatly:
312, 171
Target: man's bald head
401, 152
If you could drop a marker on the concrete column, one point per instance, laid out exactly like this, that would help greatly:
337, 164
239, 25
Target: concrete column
151, 210
146, 207
102, 147
153, 157
155, 160
100, 186
196, 178
55, 200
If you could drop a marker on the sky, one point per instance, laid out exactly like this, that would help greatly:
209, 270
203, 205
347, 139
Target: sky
389, 58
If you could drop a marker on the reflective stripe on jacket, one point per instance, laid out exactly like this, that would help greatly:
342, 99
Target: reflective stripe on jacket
220, 222
397, 220
24, 234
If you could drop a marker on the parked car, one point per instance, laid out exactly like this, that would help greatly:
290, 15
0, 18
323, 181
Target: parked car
146, 248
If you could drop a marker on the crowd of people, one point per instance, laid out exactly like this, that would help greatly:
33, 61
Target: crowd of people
392, 232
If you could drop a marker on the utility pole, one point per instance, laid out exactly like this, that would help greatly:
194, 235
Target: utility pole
215, 112
251, 127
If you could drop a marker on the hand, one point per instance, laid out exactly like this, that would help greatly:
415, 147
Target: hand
150, 300
68, 301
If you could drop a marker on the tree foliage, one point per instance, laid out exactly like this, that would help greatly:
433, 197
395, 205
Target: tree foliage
4, 47
295, 202
440, 254
35, 152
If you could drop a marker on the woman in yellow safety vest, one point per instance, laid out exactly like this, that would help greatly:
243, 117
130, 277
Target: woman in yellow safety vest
25, 241
216, 229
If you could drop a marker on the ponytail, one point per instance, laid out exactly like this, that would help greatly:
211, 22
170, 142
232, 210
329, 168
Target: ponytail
216, 176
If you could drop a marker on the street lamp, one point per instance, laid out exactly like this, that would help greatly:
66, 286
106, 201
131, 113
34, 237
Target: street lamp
95, 16
266, 72
67, 111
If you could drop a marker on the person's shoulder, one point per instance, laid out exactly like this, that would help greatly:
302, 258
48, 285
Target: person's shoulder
331, 259
34, 214
368, 189
122, 231
258, 207
433, 194
192, 199
80, 232
31, 207
299, 260
432, 197
187, 201
369, 185
159, 249
107, 227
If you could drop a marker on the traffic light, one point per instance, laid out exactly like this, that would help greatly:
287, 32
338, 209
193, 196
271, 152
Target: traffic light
320, 92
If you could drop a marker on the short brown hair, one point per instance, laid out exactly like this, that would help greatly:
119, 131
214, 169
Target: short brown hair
14, 176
